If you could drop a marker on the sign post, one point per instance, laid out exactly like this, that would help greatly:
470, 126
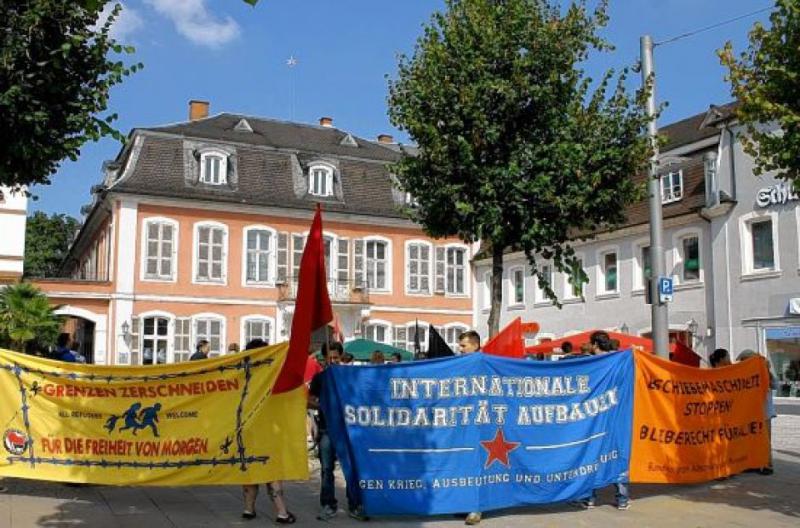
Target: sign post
665, 289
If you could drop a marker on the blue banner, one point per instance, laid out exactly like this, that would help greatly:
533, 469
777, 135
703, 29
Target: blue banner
480, 432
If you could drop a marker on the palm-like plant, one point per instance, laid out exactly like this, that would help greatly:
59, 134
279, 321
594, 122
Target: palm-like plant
26, 315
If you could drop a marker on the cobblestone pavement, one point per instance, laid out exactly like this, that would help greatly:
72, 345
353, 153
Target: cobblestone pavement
747, 500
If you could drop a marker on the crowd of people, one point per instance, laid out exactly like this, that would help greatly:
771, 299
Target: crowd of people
333, 354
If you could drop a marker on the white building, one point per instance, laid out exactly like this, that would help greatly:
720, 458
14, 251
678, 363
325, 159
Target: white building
13, 215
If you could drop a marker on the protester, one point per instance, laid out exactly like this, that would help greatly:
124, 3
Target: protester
602, 344
274, 489
201, 351
347, 358
327, 455
566, 347
469, 342
719, 358
75, 347
63, 353
586, 350
377, 358
396, 357
769, 406
233, 348
615, 344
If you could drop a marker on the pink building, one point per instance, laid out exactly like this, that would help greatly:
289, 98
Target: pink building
198, 228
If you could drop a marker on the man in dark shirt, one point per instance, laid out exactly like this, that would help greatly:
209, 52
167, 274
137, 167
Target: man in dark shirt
327, 454
202, 350
63, 353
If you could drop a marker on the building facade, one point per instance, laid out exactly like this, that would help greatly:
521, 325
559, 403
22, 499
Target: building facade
732, 245
13, 217
198, 229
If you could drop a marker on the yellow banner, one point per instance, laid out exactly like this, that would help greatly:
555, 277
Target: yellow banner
203, 422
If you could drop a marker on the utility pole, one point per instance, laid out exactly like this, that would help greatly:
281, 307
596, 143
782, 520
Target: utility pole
659, 315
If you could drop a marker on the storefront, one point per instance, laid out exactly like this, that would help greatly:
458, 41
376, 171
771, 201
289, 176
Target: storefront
783, 352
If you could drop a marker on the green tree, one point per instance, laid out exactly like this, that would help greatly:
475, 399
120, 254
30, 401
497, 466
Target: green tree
518, 147
765, 79
26, 316
47, 240
56, 72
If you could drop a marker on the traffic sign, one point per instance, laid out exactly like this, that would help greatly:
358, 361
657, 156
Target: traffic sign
665, 289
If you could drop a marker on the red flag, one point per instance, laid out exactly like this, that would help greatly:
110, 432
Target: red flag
312, 309
508, 342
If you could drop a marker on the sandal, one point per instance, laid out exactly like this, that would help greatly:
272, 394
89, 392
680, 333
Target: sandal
288, 519
248, 515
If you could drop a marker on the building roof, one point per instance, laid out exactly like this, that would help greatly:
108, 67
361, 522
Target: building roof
270, 161
697, 127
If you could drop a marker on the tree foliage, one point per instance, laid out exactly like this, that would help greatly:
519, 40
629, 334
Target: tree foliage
26, 316
47, 240
765, 79
56, 71
518, 147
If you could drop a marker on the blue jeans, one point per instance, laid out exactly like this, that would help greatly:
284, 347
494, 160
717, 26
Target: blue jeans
327, 462
621, 495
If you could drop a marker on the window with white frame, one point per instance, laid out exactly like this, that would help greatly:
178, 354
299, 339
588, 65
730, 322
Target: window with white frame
160, 247
451, 334
609, 278
256, 328
689, 256
214, 168
486, 291
380, 332
763, 245
210, 328
573, 287
455, 274
155, 340
517, 286
644, 267
259, 244
377, 264
671, 187
546, 270
320, 180
418, 262
210, 253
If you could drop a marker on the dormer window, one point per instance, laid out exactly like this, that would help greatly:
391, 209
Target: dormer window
213, 168
671, 187
320, 180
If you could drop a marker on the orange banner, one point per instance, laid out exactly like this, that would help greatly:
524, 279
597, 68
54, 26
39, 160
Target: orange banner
695, 425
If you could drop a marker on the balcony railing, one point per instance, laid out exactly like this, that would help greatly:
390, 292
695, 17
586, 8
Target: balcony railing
340, 291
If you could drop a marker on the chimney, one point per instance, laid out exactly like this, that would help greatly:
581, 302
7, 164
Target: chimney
198, 109
326, 122
385, 138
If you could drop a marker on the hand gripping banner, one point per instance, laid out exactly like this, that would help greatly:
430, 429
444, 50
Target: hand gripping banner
203, 422
479, 432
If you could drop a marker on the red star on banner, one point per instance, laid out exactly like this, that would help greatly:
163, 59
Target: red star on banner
498, 449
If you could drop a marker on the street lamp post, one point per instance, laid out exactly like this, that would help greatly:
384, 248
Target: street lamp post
658, 309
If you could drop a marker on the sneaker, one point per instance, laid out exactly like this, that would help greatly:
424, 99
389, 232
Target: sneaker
766, 470
473, 519
248, 515
357, 513
588, 504
289, 518
327, 512
622, 506
3, 489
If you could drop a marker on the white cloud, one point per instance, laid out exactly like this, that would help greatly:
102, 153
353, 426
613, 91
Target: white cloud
128, 21
194, 21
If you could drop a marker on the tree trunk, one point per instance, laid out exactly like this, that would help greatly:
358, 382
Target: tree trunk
497, 290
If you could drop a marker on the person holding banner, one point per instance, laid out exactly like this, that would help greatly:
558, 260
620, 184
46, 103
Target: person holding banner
274, 489
603, 344
769, 406
468, 343
332, 353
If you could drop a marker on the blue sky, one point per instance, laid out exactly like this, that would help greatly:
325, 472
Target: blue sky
234, 56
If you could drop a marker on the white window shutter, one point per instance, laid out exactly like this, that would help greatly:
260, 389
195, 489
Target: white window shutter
358, 262
439, 284
400, 337
343, 264
282, 257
